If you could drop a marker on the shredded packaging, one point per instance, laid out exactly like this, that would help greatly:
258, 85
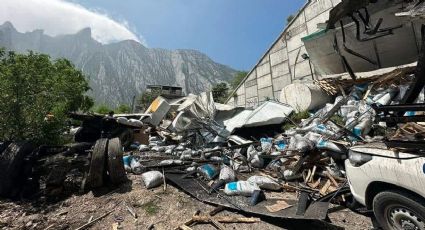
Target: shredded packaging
208, 171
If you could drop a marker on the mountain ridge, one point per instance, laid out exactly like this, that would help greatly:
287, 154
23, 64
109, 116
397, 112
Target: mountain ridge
120, 70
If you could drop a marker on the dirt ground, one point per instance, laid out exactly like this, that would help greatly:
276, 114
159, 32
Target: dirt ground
156, 209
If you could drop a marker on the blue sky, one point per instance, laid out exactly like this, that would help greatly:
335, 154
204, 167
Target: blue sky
231, 32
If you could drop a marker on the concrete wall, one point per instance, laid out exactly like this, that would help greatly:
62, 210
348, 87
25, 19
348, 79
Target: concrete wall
282, 64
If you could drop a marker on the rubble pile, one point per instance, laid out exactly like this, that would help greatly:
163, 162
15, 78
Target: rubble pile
263, 160
199, 142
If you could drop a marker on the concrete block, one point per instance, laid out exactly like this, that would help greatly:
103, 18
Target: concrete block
251, 91
317, 7
263, 69
264, 81
265, 93
252, 75
278, 57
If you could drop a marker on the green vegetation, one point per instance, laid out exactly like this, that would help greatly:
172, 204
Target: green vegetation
123, 108
105, 109
220, 92
289, 18
337, 120
150, 208
296, 118
238, 78
102, 109
36, 95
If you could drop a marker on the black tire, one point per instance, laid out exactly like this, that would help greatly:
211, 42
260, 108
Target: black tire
12, 177
125, 135
391, 207
115, 162
97, 164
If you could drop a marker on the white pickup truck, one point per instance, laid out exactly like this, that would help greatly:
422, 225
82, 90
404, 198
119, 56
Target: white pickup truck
390, 182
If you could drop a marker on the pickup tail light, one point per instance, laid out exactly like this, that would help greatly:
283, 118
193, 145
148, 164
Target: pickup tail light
358, 159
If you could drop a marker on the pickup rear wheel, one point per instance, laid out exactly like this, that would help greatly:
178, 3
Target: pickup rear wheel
399, 210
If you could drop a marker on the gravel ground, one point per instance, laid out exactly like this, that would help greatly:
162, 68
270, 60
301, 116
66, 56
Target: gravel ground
162, 210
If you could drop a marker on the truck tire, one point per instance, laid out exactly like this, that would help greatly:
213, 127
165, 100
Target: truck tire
125, 135
115, 162
11, 168
399, 210
97, 164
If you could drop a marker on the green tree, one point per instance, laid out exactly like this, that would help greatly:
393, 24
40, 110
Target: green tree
238, 78
289, 18
220, 92
123, 108
36, 95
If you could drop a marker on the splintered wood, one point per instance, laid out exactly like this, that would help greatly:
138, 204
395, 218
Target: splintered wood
280, 205
216, 221
325, 187
333, 86
409, 131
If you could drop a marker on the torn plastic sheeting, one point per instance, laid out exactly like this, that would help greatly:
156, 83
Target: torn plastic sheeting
238, 140
181, 122
269, 113
201, 106
225, 112
237, 121
193, 111
224, 107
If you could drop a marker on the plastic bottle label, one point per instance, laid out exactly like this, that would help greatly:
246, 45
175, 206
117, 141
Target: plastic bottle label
232, 186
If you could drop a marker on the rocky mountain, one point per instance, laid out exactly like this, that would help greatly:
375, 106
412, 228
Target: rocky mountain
121, 70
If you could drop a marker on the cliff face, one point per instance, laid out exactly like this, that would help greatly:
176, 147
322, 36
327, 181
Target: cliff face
121, 70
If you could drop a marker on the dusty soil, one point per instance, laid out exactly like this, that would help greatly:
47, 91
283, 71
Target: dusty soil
156, 209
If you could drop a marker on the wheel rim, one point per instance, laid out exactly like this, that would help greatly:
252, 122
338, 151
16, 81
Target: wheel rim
403, 218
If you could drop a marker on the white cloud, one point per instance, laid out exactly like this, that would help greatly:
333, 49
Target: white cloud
58, 17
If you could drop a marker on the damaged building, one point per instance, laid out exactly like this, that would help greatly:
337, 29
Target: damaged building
308, 49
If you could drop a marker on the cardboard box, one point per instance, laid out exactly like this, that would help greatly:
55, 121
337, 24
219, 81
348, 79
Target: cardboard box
140, 136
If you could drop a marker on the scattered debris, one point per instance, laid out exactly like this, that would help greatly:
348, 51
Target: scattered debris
94, 220
237, 158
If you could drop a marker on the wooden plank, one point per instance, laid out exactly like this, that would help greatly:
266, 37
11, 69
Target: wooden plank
216, 223
332, 179
325, 187
315, 184
313, 171
184, 227
280, 205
